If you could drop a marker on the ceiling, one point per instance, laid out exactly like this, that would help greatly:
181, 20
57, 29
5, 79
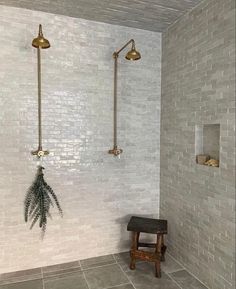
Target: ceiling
154, 15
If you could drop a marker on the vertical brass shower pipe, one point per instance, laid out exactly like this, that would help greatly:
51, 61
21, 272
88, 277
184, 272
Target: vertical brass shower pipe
40, 43
39, 100
131, 55
115, 149
115, 99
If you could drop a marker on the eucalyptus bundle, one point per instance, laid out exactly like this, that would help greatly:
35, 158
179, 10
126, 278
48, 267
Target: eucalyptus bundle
39, 200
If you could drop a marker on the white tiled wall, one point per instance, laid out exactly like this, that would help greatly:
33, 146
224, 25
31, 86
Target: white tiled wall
97, 191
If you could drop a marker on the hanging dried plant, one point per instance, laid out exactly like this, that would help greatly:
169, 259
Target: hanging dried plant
39, 200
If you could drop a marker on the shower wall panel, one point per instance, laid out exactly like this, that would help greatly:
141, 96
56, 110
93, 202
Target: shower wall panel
98, 192
198, 88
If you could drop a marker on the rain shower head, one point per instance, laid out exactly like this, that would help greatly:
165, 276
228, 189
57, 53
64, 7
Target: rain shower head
133, 54
40, 41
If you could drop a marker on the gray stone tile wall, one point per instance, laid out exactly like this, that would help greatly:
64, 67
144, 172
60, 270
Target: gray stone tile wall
198, 87
97, 192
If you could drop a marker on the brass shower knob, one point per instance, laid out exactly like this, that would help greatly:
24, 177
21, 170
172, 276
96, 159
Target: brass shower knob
40, 153
115, 151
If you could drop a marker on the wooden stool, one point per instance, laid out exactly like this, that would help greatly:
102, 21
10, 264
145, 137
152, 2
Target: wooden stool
152, 226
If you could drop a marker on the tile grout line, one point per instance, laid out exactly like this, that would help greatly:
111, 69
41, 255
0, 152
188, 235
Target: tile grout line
98, 266
115, 261
42, 274
86, 281
115, 286
10, 281
41, 268
83, 270
184, 268
168, 274
173, 271
125, 274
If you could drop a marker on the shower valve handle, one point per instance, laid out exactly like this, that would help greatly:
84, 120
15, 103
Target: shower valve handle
40, 153
115, 151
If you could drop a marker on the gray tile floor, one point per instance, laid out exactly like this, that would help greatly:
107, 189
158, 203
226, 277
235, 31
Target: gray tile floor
106, 272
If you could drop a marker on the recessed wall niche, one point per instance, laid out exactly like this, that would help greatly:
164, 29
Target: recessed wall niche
207, 144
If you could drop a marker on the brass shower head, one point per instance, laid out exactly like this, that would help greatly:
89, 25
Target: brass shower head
133, 54
40, 41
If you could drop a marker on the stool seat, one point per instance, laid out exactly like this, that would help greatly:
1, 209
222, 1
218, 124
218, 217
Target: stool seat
158, 227
147, 225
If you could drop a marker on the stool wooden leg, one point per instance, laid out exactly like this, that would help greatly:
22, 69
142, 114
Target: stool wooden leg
138, 235
134, 247
158, 252
163, 249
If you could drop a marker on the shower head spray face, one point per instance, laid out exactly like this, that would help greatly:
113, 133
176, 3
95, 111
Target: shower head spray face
133, 54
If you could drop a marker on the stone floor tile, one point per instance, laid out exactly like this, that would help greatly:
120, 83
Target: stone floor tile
106, 272
97, 261
105, 277
72, 281
126, 286
20, 276
170, 265
186, 280
143, 277
123, 259
32, 284
61, 269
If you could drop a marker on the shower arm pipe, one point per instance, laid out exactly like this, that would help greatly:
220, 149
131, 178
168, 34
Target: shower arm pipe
116, 151
116, 53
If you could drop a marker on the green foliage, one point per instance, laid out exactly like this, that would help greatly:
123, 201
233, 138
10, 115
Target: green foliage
38, 201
